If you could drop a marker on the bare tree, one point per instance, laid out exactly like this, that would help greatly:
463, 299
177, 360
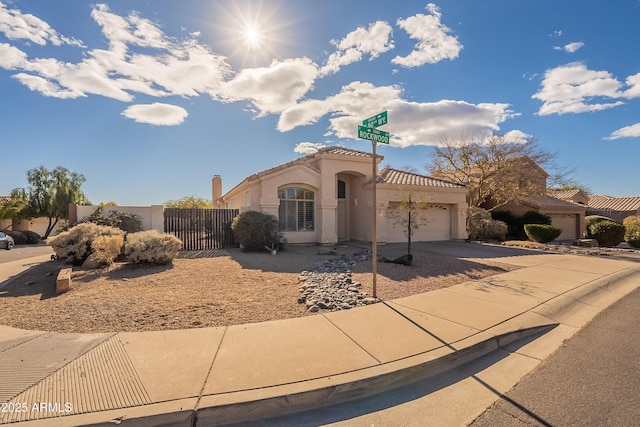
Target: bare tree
495, 171
411, 214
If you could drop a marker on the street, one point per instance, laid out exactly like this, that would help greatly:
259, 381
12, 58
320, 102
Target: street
23, 252
592, 380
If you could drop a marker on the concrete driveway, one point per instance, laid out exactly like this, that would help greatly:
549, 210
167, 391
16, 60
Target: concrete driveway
20, 258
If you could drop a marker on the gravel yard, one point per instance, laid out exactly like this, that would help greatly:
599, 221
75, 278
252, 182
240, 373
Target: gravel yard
231, 288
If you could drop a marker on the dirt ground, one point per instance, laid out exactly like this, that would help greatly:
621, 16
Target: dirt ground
220, 288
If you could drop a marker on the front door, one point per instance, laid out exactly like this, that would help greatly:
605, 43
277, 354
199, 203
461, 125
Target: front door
343, 214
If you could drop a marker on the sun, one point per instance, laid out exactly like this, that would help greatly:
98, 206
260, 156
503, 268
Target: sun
252, 36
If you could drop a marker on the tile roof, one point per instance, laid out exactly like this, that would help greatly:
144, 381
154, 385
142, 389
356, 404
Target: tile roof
334, 149
398, 177
550, 202
620, 204
563, 194
4, 199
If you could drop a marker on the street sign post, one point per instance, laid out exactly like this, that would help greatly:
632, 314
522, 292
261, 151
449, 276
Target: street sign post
375, 121
373, 135
368, 131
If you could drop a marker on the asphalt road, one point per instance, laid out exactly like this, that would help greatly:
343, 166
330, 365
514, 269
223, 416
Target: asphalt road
24, 251
593, 379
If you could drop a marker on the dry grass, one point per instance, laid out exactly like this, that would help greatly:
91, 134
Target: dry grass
225, 290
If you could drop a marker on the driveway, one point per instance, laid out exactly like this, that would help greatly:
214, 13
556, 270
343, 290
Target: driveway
21, 258
23, 252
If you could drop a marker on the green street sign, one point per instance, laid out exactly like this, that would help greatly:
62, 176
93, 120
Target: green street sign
374, 135
375, 121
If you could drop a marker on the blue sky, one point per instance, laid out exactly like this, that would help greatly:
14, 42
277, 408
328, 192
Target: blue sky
150, 99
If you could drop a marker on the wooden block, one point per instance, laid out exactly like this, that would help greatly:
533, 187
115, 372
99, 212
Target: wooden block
63, 282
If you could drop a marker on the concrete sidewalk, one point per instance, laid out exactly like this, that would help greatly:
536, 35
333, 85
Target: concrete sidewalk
217, 376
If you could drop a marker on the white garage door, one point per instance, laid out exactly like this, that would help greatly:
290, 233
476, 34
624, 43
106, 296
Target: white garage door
568, 225
438, 227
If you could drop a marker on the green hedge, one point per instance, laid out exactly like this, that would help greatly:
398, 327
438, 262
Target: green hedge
607, 233
515, 223
254, 230
542, 233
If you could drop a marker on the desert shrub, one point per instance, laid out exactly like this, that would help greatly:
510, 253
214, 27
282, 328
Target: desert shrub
533, 217
125, 221
255, 230
493, 229
607, 233
632, 230
590, 220
475, 218
19, 238
32, 237
516, 223
106, 249
75, 245
542, 233
151, 247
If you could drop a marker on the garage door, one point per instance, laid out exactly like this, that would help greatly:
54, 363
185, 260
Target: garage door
568, 225
438, 225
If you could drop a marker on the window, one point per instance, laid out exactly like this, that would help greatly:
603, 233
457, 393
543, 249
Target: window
296, 209
342, 190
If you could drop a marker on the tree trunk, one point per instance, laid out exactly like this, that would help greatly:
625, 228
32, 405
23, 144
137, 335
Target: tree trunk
50, 228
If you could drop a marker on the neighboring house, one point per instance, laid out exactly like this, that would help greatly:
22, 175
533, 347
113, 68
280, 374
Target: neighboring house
575, 195
325, 197
616, 208
567, 211
38, 225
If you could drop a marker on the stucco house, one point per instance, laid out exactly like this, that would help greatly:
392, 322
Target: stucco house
567, 210
617, 208
574, 195
326, 197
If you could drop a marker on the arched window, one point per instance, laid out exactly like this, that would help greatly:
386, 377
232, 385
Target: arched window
296, 209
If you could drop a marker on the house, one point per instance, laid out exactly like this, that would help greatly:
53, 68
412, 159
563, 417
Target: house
574, 195
616, 208
567, 209
326, 197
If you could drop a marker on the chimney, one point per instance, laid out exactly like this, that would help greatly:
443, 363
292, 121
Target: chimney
216, 189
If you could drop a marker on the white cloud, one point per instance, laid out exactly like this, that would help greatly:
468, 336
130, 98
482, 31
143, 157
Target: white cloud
435, 44
632, 131
184, 68
11, 57
517, 137
308, 147
410, 123
573, 88
23, 26
374, 41
156, 114
272, 89
571, 47
634, 86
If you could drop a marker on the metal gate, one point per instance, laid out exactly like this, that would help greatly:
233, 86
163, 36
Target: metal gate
201, 229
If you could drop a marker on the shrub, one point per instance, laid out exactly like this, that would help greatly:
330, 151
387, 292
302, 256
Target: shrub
255, 230
19, 238
106, 249
492, 229
125, 221
541, 233
607, 233
590, 220
151, 247
75, 245
475, 217
533, 217
632, 230
32, 237
516, 223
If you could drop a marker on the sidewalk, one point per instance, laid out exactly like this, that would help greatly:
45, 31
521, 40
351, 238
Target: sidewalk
217, 376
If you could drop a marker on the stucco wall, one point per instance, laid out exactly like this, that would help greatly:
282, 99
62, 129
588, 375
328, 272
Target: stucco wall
152, 216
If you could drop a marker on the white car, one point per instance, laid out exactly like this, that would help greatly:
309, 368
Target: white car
6, 241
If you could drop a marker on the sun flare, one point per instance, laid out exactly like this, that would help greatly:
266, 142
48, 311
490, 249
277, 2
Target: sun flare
252, 37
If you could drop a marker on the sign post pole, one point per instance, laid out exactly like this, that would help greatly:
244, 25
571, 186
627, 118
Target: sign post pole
368, 131
374, 222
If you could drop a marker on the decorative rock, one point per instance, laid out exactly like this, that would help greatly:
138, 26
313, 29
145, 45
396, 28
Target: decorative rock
328, 286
